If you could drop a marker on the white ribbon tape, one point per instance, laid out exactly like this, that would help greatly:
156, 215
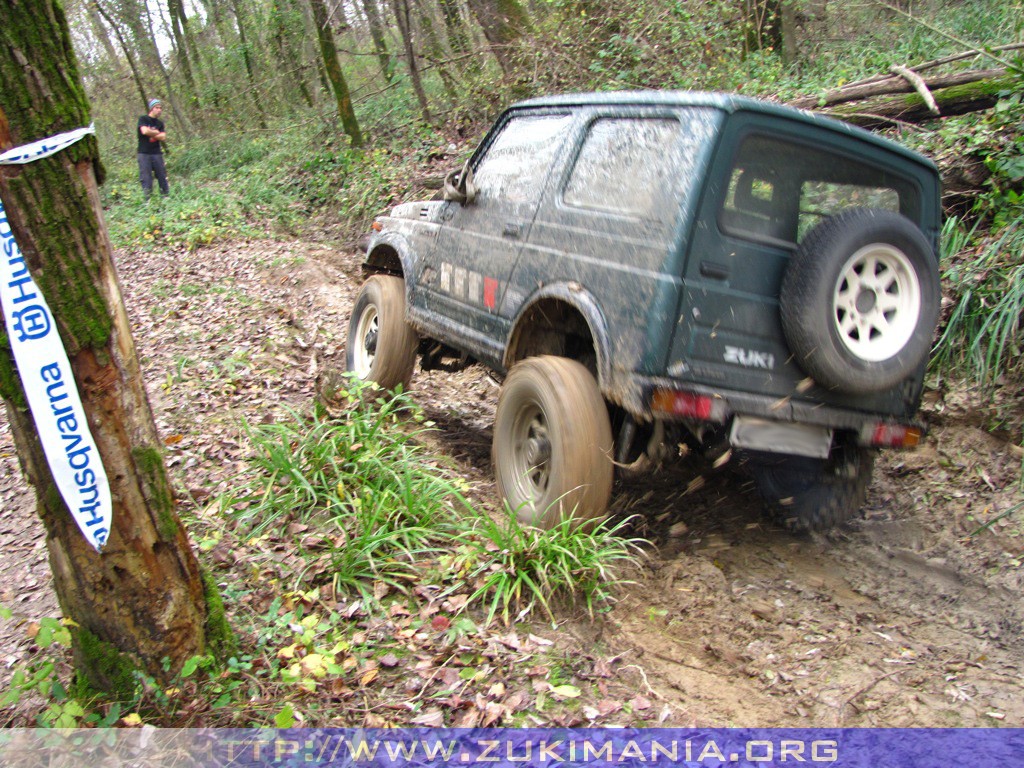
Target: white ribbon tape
46, 373
44, 147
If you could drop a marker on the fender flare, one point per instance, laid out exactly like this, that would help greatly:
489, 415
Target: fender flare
384, 248
579, 298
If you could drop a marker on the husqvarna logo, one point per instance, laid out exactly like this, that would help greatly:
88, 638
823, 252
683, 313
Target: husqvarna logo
31, 323
749, 358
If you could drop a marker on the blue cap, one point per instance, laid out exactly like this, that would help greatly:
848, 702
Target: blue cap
153, 103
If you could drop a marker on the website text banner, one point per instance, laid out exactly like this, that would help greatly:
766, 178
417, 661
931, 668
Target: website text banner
516, 748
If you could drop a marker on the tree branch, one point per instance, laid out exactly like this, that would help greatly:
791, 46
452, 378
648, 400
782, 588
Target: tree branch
1008, 64
919, 85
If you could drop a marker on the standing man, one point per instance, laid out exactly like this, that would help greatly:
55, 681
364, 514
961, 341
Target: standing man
151, 158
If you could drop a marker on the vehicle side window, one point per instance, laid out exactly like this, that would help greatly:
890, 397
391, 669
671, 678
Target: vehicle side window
780, 189
517, 163
626, 166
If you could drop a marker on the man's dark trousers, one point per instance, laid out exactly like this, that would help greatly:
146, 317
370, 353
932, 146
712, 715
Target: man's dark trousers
152, 165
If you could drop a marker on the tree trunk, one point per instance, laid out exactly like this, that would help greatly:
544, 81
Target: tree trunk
96, 20
213, 11
881, 111
458, 37
329, 53
503, 23
176, 8
438, 52
379, 40
891, 84
403, 16
788, 33
250, 70
289, 62
129, 57
143, 599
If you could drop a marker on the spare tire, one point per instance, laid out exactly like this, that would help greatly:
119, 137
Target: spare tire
860, 300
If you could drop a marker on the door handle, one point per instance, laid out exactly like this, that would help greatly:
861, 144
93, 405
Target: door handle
512, 230
713, 270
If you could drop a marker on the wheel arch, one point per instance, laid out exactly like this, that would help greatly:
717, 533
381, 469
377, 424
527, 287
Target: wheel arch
389, 253
563, 312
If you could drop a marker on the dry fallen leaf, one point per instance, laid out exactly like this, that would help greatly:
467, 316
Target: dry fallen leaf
432, 718
640, 703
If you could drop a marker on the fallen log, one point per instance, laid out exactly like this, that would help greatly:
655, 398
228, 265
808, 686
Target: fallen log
891, 84
882, 111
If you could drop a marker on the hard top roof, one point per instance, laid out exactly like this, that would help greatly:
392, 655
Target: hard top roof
726, 102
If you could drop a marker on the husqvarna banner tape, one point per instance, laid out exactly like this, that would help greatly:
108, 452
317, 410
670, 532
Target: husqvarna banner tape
44, 147
46, 373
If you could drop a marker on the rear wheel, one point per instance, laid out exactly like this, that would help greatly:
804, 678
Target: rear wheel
381, 346
814, 495
552, 442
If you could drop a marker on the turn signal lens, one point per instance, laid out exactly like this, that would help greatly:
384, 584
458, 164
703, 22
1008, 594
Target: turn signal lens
894, 436
684, 404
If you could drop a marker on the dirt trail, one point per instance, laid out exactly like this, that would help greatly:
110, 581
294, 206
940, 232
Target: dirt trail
899, 619
902, 618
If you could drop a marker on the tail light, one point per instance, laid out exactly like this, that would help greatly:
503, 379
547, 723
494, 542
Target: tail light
882, 435
687, 405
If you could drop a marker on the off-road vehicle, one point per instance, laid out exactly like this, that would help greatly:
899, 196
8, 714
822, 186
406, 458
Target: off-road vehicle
650, 270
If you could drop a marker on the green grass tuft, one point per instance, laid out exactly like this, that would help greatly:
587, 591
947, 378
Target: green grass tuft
984, 335
381, 509
518, 569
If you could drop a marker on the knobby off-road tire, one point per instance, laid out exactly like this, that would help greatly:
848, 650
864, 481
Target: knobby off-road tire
860, 300
552, 445
381, 346
812, 495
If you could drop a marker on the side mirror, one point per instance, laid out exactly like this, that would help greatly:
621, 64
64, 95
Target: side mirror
459, 186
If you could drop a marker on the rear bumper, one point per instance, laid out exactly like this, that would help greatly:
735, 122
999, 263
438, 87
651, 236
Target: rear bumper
718, 406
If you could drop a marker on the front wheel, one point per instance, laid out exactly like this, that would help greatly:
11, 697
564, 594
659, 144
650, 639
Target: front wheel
381, 346
552, 443
813, 495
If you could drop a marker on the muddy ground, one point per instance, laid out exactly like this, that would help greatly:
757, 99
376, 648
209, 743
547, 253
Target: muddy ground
910, 616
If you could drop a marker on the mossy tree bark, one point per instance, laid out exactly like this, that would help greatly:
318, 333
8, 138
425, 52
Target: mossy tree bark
883, 111
143, 599
329, 52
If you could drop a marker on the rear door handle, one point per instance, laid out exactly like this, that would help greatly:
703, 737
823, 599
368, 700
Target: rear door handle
714, 270
512, 230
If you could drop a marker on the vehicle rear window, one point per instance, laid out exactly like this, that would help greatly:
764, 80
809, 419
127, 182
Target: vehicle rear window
779, 189
516, 164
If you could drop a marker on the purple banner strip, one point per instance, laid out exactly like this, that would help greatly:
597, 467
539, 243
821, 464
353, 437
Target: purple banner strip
521, 748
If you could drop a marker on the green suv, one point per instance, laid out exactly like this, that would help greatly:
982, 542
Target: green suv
662, 268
